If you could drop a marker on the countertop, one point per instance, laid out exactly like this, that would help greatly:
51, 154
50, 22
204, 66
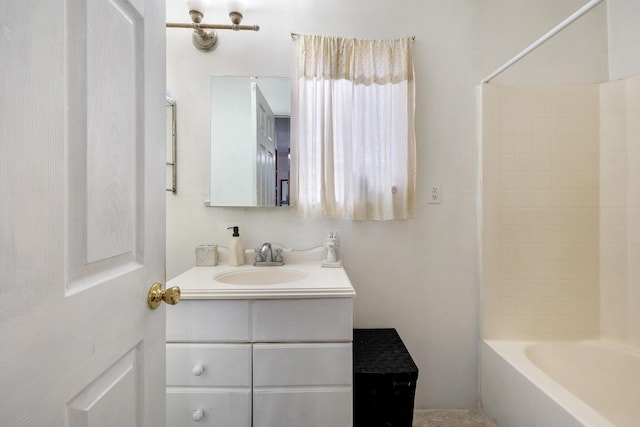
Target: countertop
320, 282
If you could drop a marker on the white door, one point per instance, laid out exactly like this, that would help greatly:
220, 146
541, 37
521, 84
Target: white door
82, 86
265, 149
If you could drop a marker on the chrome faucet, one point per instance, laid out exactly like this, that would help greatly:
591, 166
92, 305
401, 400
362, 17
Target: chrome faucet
265, 256
266, 252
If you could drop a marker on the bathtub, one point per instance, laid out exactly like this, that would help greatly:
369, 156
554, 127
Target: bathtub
560, 383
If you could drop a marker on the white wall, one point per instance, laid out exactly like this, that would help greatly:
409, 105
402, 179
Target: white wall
420, 275
624, 38
575, 55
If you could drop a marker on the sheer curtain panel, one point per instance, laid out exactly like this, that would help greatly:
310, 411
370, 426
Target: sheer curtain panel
356, 128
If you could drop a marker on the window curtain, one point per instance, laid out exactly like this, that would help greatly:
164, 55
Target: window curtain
356, 128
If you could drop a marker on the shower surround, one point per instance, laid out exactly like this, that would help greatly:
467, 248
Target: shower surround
561, 211
561, 234
540, 211
620, 210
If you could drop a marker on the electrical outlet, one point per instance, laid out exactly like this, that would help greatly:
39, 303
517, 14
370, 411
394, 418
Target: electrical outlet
434, 193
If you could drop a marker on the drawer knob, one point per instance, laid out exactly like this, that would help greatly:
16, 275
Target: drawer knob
198, 414
198, 370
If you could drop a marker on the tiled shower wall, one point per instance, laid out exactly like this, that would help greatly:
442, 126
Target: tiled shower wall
620, 210
540, 211
561, 208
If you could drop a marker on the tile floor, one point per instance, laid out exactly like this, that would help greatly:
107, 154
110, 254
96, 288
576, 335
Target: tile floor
475, 418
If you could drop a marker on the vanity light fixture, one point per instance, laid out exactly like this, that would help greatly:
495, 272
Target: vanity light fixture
206, 40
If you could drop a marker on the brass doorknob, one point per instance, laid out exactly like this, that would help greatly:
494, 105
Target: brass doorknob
157, 295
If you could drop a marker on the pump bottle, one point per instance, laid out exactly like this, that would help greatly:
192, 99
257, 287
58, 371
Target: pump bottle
236, 249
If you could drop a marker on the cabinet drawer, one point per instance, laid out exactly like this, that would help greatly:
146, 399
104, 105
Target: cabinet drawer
303, 408
218, 365
218, 409
303, 320
209, 321
302, 364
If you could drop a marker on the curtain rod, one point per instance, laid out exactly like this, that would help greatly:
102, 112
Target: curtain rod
296, 35
555, 30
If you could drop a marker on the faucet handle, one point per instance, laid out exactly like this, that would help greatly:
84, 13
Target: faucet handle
258, 255
278, 255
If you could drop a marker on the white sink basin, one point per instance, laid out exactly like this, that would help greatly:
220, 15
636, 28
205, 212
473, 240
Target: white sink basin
261, 276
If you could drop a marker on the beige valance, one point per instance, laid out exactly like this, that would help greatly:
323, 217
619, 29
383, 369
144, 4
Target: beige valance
376, 61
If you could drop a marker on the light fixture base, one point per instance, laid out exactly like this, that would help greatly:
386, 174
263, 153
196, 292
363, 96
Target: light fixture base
196, 16
236, 17
204, 40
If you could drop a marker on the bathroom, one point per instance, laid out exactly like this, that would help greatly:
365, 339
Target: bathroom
420, 276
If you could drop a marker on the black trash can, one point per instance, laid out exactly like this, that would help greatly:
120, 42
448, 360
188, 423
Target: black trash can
384, 379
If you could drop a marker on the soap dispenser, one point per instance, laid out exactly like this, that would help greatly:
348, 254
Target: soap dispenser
236, 249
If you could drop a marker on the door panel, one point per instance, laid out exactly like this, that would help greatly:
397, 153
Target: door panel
220, 365
113, 74
266, 149
118, 387
81, 212
209, 408
283, 365
295, 407
104, 84
276, 320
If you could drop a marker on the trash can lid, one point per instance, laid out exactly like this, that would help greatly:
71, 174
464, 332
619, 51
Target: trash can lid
380, 351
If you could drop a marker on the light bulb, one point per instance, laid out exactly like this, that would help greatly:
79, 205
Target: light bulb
198, 5
239, 6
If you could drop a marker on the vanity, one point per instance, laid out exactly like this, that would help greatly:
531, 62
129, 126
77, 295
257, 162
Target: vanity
261, 346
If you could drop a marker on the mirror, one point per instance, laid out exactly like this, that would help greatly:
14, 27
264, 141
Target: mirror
250, 140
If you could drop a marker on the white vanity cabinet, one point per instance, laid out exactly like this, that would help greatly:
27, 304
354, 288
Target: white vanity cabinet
302, 362
282, 362
209, 364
